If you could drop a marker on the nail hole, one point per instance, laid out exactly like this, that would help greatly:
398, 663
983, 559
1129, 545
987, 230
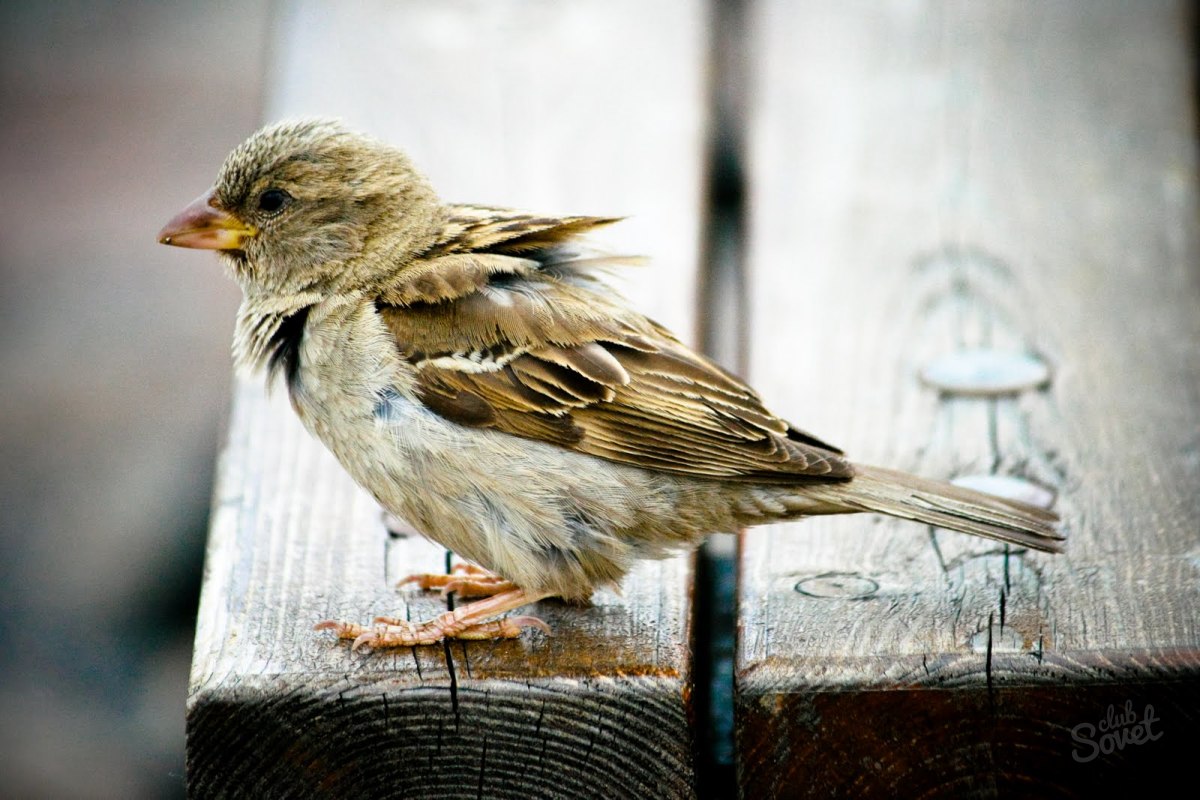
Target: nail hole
985, 373
839, 585
1010, 488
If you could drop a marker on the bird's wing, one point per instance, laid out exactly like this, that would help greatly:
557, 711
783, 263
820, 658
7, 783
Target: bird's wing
509, 330
471, 228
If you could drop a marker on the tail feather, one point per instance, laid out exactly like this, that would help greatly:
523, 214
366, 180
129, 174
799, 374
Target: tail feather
900, 494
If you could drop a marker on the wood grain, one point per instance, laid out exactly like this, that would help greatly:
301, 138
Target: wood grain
925, 178
592, 107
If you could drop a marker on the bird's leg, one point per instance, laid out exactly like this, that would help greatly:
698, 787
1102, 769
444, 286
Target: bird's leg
468, 621
465, 580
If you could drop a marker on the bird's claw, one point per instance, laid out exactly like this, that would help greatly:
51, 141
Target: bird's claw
465, 580
391, 632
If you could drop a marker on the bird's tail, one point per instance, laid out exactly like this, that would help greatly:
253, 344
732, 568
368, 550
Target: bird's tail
900, 494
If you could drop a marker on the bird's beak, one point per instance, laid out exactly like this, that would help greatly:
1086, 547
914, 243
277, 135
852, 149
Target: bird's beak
205, 226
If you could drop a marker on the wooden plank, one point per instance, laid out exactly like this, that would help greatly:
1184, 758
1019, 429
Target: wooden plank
592, 107
925, 178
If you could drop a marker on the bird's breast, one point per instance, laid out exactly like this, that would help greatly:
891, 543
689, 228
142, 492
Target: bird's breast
347, 372
544, 516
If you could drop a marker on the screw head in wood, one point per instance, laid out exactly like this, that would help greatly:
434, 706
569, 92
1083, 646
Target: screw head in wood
986, 373
838, 585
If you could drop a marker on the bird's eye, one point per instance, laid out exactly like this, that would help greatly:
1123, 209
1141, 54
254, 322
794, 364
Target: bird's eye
273, 200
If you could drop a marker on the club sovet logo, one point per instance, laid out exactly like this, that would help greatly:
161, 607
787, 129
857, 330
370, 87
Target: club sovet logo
1116, 730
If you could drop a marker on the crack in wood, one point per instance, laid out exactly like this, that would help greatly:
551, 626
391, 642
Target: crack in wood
988, 669
453, 681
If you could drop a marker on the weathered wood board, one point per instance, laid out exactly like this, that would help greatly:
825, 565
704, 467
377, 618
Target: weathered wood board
587, 107
927, 177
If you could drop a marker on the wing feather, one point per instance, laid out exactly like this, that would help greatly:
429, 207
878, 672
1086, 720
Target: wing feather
504, 332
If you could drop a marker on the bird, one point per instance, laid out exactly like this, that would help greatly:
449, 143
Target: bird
471, 367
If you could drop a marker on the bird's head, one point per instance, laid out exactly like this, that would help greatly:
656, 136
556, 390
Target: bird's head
310, 207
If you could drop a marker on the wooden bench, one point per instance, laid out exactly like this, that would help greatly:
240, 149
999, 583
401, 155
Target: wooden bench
921, 179
946, 176
580, 106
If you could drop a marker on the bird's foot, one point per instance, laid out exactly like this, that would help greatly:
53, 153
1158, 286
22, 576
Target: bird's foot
465, 580
469, 621
407, 634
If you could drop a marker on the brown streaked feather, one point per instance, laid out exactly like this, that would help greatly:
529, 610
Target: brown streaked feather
558, 382
469, 408
512, 344
450, 277
479, 243
481, 229
520, 315
457, 405
590, 360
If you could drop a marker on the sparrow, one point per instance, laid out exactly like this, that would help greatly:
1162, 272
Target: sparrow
471, 369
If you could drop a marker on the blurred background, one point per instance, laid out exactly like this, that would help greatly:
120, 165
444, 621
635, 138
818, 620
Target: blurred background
115, 375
